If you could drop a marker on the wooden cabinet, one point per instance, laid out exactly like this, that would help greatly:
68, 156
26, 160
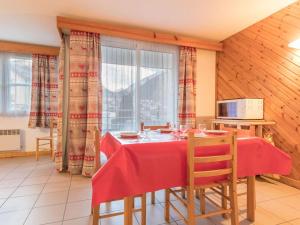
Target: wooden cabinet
257, 125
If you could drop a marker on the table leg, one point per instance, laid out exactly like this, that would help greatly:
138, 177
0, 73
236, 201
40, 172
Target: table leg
251, 198
143, 214
213, 126
167, 205
153, 197
128, 202
259, 130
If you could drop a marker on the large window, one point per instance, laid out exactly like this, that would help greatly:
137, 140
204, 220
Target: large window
15, 82
139, 83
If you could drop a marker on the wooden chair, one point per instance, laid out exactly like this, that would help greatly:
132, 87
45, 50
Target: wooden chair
99, 161
220, 187
154, 128
100, 158
143, 126
46, 143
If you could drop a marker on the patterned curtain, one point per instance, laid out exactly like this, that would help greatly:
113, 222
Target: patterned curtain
187, 86
61, 77
43, 91
85, 103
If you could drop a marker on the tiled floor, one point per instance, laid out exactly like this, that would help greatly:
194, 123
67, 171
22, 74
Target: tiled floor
34, 193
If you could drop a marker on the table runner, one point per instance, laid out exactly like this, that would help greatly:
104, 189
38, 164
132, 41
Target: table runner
144, 165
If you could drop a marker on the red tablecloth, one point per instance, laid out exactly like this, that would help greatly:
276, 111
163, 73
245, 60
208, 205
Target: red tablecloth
138, 166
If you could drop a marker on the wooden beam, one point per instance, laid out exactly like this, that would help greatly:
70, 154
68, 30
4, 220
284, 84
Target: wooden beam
67, 24
18, 47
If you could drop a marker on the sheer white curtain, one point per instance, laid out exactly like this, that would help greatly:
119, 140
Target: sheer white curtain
139, 83
15, 84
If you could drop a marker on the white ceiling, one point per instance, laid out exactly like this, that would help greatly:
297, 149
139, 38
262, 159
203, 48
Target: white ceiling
34, 21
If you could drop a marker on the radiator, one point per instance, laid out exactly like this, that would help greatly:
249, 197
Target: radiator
10, 140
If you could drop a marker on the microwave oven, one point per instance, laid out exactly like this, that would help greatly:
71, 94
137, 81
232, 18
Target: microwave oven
241, 109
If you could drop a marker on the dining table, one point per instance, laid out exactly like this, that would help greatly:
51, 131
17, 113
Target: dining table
159, 161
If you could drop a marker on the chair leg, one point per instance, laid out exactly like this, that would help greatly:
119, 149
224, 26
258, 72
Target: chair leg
128, 210
191, 205
167, 205
234, 204
153, 197
37, 150
183, 193
202, 201
198, 194
51, 148
96, 214
224, 200
143, 200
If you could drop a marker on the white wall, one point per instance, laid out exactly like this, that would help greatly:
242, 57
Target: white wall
28, 135
206, 83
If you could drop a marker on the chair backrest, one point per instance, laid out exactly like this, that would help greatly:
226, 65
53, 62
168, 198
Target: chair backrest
227, 156
156, 127
53, 124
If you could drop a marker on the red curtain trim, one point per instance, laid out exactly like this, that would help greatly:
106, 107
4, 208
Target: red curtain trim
82, 74
45, 85
81, 157
188, 115
82, 116
43, 113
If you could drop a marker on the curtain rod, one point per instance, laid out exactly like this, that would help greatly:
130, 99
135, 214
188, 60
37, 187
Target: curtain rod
65, 24
18, 47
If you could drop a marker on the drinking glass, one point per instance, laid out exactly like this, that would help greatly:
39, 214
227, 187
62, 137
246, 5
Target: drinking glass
146, 132
174, 126
201, 128
183, 128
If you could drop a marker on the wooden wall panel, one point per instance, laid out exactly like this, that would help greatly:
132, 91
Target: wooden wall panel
257, 63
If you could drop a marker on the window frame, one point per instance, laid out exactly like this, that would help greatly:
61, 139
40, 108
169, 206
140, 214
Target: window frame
139, 46
6, 85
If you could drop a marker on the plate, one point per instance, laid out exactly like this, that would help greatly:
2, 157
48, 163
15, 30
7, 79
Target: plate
200, 135
166, 131
129, 134
185, 135
216, 132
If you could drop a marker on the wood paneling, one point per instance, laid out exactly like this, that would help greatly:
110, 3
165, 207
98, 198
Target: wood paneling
257, 63
17, 47
64, 24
